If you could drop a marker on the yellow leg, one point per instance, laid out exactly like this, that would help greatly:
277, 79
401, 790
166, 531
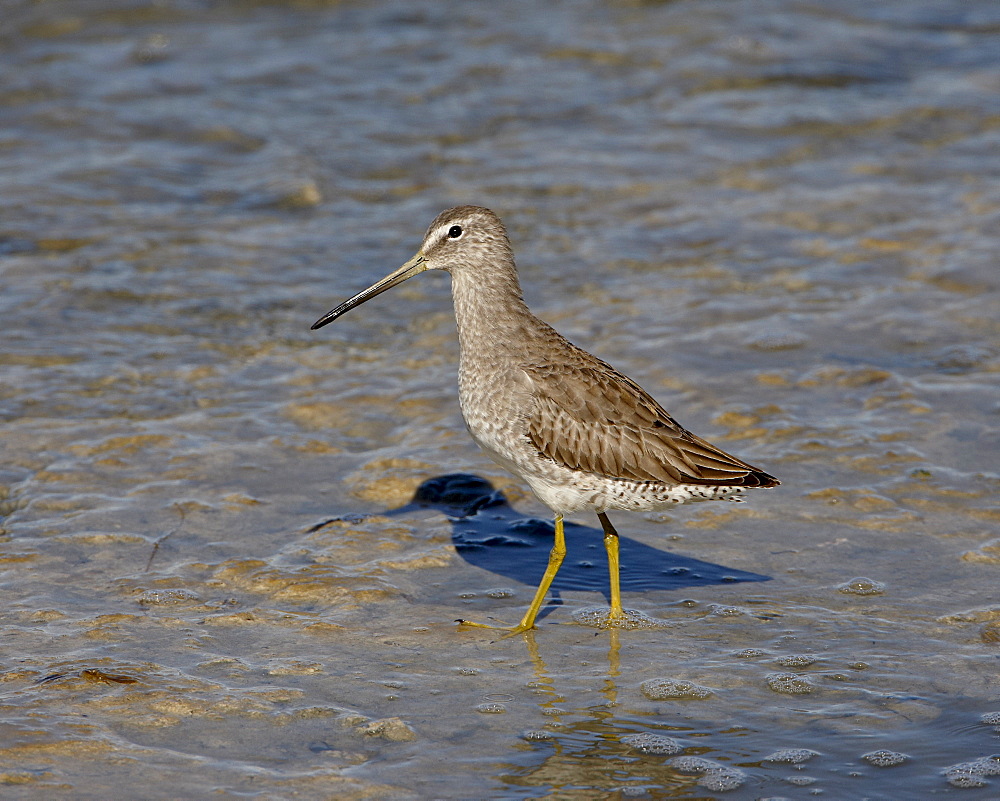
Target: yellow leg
556, 556
611, 546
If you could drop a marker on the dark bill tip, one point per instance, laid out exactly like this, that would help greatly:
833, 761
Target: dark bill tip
408, 270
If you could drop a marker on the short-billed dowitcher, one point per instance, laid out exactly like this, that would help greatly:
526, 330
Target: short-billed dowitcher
581, 434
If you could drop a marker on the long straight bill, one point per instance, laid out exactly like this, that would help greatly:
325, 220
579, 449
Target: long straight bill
408, 270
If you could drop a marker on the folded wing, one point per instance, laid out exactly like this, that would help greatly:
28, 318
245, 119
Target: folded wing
590, 417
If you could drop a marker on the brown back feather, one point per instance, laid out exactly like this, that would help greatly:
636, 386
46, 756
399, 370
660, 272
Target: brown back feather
588, 416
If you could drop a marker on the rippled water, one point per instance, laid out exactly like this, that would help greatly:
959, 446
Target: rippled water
780, 217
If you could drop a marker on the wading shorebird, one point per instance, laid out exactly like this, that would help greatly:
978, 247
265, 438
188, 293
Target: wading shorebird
581, 434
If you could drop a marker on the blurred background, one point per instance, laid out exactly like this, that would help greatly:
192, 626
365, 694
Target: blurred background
779, 217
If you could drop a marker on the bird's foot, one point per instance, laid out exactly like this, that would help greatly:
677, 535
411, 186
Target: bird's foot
508, 631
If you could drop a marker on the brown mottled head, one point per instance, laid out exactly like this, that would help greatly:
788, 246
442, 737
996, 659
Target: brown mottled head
465, 236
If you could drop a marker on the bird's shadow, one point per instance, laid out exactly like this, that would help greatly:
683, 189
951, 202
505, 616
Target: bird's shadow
489, 533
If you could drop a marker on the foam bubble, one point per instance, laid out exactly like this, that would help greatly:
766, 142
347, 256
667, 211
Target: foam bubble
725, 610
170, 597
972, 774
990, 718
674, 689
862, 586
712, 775
651, 743
789, 684
797, 661
964, 775
491, 709
793, 756
535, 735
884, 759
599, 617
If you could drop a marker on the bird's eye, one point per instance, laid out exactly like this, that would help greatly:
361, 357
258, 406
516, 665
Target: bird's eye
455, 232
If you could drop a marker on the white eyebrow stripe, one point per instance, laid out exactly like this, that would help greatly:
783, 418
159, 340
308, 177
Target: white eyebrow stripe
441, 232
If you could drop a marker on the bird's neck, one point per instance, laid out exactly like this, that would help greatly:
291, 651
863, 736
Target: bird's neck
489, 310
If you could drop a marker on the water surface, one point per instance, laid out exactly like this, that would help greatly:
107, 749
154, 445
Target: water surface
781, 218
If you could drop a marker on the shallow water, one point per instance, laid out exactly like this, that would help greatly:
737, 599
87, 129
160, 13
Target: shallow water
780, 218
